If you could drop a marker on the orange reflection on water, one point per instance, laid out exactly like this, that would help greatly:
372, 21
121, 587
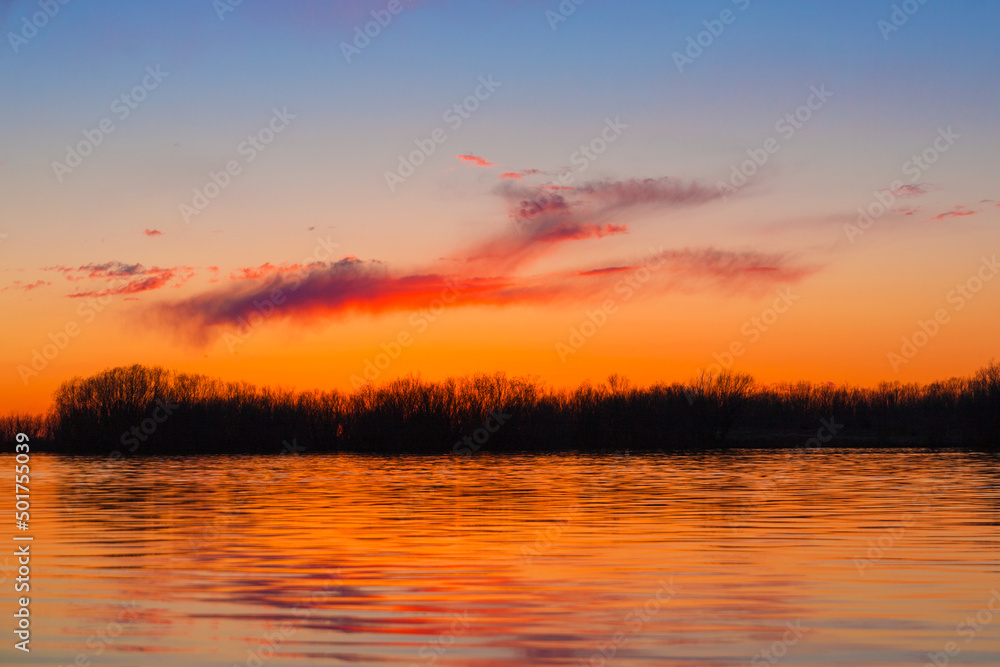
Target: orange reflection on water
875, 557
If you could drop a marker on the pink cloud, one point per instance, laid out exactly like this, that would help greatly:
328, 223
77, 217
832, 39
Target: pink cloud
126, 278
489, 272
571, 231
475, 161
957, 212
518, 175
911, 191
27, 287
147, 284
350, 286
153, 232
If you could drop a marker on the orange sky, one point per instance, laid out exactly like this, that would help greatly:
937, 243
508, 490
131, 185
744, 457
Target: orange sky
671, 206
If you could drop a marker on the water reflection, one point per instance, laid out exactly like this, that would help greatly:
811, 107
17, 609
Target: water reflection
832, 557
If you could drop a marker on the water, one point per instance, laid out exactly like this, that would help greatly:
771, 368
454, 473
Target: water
832, 557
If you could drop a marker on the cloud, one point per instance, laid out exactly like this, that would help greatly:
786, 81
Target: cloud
475, 161
957, 212
265, 269
571, 231
518, 175
146, 284
27, 287
125, 278
541, 216
492, 270
911, 191
153, 232
351, 286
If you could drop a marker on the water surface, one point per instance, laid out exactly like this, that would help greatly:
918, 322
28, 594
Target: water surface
824, 558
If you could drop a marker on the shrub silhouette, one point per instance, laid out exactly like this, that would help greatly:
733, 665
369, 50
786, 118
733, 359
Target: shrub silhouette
139, 410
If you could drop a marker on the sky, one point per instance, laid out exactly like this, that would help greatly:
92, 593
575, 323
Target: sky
319, 194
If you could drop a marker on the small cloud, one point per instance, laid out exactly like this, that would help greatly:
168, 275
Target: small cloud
610, 269
518, 175
475, 161
265, 269
27, 287
125, 278
907, 210
911, 191
571, 231
956, 212
153, 232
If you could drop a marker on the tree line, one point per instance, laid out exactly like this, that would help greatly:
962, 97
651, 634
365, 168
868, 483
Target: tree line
139, 410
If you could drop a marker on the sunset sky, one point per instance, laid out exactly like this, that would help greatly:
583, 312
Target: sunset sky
262, 192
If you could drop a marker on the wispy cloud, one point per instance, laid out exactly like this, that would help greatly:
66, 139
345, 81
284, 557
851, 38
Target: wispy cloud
911, 191
957, 212
27, 287
262, 271
475, 161
348, 286
518, 175
541, 216
153, 232
490, 272
124, 278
